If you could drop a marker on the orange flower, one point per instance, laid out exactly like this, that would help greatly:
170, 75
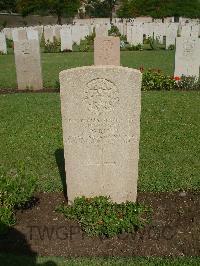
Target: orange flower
177, 78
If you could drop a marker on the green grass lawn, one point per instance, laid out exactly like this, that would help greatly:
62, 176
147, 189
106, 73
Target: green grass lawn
30, 130
52, 64
53, 261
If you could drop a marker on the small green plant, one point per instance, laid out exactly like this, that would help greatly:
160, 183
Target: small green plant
114, 31
86, 44
171, 47
52, 47
137, 47
99, 216
155, 80
16, 189
9, 43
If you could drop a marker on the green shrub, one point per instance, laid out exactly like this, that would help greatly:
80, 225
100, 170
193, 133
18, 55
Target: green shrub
130, 47
86, 44
99, 216
114, 31
155, 80
52, 47
15, 190
188, 83
171, 47
9, 43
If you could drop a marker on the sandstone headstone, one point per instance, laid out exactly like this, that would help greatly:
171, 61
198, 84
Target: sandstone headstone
3, 46
107, 51
187, 58
101, 129
66, 38
27, 61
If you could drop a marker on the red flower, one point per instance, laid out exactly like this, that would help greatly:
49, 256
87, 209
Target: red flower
177, 78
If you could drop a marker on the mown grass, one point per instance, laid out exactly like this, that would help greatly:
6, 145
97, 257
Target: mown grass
52, 64
12, 260
31, 131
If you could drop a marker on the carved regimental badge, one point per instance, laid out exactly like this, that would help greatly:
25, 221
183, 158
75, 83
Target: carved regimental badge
101, 95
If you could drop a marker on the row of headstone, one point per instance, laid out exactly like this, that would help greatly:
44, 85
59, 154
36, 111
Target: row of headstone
144, 27
107, 49
165, 33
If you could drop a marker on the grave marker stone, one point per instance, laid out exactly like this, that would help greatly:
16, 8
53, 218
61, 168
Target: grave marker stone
100, 108
27, 61
187, 58
3, 46
107, 51
66, 38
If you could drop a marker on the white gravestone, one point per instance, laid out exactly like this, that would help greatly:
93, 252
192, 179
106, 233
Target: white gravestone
3, 46
27, 61
101, 129
187, 58
66, 38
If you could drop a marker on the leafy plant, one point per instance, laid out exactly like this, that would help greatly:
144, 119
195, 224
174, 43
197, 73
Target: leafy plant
171, 47
9, 43
52, 47
86, 45
16, 189
155, 80
114, 31
153, 43
130, 47
99, 216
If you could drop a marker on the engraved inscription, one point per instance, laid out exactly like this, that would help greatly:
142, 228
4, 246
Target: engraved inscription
107, 48
95, 130
188, 48
101, 95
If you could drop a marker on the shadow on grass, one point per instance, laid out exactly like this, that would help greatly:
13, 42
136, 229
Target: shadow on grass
60, 160
15, 250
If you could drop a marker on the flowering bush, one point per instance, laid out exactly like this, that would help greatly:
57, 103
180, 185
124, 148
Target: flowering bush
155, 80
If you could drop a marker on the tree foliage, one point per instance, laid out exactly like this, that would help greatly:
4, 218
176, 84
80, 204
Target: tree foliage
8, 5
159, 8
60, 8
100, 8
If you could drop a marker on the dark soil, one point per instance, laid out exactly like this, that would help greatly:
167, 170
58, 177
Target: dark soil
174, 231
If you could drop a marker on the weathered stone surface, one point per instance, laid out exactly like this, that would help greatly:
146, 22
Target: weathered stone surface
101, 129
28, 65
107, 51
66, 38
3, 46
187, 58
